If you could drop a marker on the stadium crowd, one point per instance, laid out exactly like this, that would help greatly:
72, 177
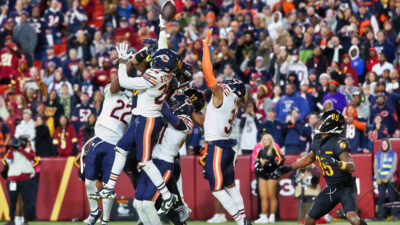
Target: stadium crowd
297, 58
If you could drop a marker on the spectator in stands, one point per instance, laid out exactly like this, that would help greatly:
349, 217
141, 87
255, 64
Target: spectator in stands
272, 126
34, 82
309, 97
334, 50
59, 81
337, 98
6, 32
293, 63
54, 19
111, 18
318, 61
392, 99
372, 59
82, 112
385, 165
276, 94
348, 88
389, 116
27, 127
86, 132
376, 131
53, 109
87, 84
267, 158
296, 133
67, 100
81, 43
51, 57
43, 143
307, 49
362, 105
385, 46
306, 182
13, 118
65, 137
256, 73
5, 137
290, 100
249, 123
322, 89
74, 16
226, 57
354, 129
25, 37
371, 80
382, 65
357, 62
393, 84
348, 70
20, 174
263, 102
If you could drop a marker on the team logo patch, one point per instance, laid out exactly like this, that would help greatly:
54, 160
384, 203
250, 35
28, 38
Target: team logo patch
342, 145
164, 58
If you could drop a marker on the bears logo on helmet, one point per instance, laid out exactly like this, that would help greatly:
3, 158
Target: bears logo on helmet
181, 104
236, 86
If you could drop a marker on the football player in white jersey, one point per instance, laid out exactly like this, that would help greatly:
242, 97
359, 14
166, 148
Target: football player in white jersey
152, 87
167, 148
110, 126
219, 117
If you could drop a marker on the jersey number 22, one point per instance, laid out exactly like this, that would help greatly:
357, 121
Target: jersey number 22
122, 106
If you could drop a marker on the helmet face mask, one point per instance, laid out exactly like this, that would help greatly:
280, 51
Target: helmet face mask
236, 86
330, 122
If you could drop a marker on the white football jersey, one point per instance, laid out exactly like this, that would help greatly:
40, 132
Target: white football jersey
150, 100
171, 140
218, 121
115, 116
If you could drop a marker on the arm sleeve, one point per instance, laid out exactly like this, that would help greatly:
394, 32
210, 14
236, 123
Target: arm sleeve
138, 83
162, 40
208, 68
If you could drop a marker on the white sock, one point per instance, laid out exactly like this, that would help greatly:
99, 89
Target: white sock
180, 186
237, 198
227, 202
138, 205
118, 166
162, 39
155, 176
91, 189
151, 212
107, 206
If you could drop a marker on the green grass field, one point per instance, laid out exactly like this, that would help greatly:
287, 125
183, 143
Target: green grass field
202, 223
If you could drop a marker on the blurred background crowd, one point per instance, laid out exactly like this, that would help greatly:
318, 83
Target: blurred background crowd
297, 58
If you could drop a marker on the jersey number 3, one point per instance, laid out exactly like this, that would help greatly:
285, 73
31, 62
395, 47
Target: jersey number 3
326, 169
122, 106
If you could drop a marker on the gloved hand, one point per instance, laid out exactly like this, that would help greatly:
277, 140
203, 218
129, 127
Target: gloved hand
163, 23
122, 51
282, 170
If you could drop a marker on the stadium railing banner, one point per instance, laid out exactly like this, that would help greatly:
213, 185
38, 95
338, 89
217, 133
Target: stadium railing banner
62, 193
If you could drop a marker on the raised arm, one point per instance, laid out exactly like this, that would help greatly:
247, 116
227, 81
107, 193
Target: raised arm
162, 38
209, 73
138, 83
114, 87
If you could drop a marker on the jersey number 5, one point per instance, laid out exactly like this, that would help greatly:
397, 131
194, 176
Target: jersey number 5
123, 115
326, 169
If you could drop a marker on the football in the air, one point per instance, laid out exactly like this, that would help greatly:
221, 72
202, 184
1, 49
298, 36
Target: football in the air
168, 10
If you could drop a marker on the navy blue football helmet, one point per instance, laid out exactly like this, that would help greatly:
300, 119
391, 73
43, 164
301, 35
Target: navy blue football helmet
181, 104
185, 73
196, 97
237, 86
165, 60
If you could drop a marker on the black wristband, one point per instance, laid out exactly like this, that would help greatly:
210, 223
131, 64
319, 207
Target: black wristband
141, 55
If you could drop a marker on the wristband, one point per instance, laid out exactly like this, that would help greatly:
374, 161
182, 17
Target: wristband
343, 167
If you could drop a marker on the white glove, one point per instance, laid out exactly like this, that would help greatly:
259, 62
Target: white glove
163, 23
123, 52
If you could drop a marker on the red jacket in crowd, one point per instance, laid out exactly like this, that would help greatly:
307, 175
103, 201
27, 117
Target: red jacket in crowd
65, 139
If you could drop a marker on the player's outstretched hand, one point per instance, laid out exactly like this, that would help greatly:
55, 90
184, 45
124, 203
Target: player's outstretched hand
206, 42
122, 51
282, 170
329, 160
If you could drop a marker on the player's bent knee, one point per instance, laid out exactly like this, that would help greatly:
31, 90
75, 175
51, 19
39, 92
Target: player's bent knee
121, 151
90, 183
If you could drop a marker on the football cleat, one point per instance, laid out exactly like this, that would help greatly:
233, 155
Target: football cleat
167, 204
248, 222
107, 193
103, 222
94, 217
95, 196
217, 218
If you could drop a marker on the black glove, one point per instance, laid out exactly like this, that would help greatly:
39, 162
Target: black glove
329, 160
282, 170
